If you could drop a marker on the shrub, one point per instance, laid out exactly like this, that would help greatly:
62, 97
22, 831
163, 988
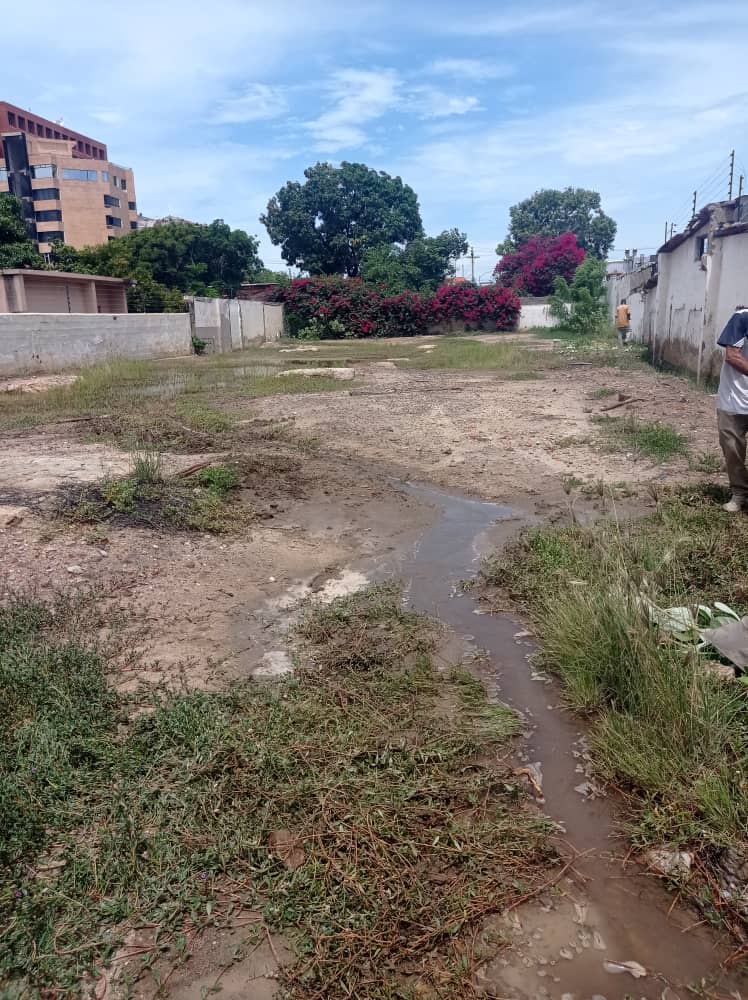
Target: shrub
533, 268
580, 307
476, 307
334, 308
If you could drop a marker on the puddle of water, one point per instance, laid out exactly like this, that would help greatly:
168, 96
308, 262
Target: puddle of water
604, 914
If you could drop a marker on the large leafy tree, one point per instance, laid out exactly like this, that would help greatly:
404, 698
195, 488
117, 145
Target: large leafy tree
551, 213
422, 265
16, 249
326, 224
170, 259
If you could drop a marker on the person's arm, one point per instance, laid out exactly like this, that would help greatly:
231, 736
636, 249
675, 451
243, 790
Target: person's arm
734, 356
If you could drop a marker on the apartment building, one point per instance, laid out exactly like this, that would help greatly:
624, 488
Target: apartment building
69, 189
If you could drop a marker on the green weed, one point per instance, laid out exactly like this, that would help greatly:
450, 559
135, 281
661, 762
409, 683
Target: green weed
657, 441
219, 479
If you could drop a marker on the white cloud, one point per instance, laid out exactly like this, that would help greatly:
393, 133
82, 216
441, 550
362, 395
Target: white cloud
258, 102
476, 70
359, 97
516, 20
430, 102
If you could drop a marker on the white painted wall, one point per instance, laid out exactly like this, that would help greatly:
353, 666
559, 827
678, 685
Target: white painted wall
49, 342
535, 314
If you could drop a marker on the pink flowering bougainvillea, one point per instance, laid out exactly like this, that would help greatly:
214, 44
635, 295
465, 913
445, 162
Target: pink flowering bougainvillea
532, 269
364, 310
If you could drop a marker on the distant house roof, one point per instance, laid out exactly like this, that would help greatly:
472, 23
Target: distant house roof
728, 216
261, 291
28, 272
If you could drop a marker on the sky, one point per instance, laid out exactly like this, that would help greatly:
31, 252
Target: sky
215, 105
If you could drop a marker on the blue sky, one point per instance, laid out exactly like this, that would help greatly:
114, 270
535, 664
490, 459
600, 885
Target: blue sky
216, 104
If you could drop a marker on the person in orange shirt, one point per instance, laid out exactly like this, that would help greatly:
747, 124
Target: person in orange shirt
623, 321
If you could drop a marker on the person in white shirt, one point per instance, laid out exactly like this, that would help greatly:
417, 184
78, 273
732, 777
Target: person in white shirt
732, 406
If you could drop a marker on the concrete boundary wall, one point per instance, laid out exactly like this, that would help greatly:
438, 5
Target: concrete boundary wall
50, 342
535, 313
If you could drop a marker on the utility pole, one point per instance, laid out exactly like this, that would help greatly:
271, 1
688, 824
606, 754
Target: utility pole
740, 186
693, 208
666, 232
473, 259
672, 229
732, 174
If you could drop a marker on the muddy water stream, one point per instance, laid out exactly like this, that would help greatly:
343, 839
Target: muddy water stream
603, 913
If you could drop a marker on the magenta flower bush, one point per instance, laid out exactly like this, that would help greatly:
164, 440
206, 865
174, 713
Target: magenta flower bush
534, 267
363, 310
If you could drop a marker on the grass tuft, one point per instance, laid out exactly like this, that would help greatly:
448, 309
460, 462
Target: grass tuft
657, 441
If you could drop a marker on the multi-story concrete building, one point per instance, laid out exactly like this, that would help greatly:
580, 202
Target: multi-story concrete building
69, 189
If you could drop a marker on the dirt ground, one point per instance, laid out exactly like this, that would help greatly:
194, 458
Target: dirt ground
475, 433
213, 608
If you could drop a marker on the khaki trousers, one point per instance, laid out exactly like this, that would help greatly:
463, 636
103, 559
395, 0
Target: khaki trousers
733, 428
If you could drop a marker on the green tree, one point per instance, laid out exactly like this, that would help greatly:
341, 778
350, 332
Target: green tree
551, 213
328, 223
422, 265
265, 275
581, 306
180, 257
16, 248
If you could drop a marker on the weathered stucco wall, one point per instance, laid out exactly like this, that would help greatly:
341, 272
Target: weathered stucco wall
47, 342
261, 322
697, 289
534, 313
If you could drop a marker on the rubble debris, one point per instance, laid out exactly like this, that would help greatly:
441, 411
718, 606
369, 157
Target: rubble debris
341, 374
670, 862
633, 968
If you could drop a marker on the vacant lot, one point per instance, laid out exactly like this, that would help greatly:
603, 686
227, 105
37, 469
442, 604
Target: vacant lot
232, 758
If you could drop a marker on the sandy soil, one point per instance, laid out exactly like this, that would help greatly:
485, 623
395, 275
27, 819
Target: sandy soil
498, 439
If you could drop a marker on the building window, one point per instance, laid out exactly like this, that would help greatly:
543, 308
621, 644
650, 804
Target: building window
49, 215
30, 126
110, 201
88, 148
133, 225
3, 174
101, 154
112, 222
44, 170
123, 184
47, 194
12, 119
47, 132
78, 175
57, 135
104, 176
65, 136
702, 246
115, 180
131, 205
21, 121
55, 236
